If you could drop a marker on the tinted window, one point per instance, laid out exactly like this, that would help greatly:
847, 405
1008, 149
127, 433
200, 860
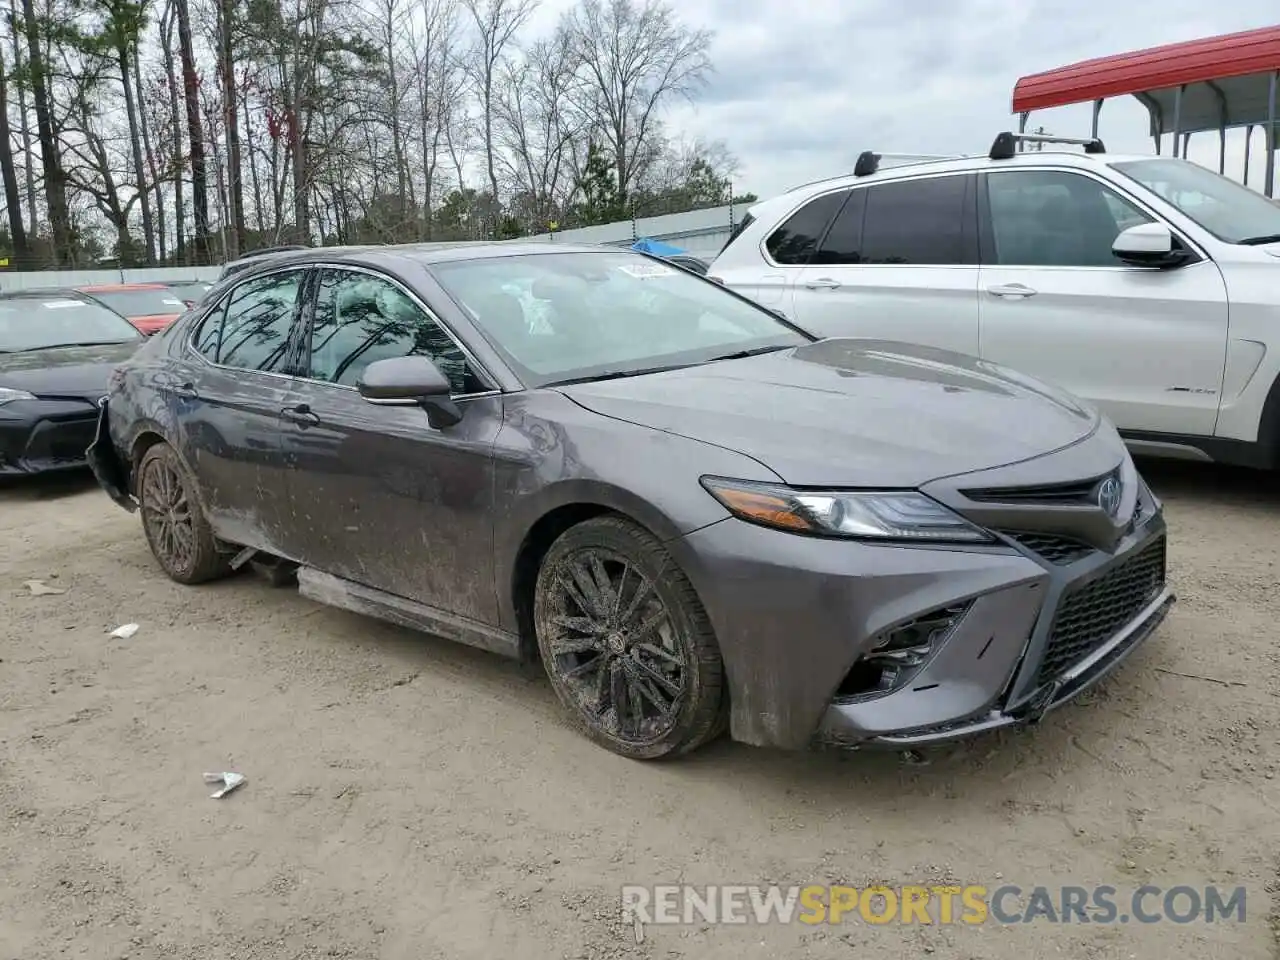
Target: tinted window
797, 239
747, 221
361, 318
1049, 218
205, 341
255, 330
915, 222
843, 243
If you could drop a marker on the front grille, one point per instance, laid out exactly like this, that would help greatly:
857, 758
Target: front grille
1080, 493
1053, 548
1090, 616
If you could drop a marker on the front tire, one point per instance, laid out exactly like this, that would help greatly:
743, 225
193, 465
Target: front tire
626, 642
178, 533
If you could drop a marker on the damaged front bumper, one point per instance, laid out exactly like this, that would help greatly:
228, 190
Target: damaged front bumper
798, 617
106, 464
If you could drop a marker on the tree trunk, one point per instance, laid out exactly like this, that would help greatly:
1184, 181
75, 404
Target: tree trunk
231, 122
135, 146
259, 206
17, 231
180, 212
150, 154
24, 121
55, 178
191, 90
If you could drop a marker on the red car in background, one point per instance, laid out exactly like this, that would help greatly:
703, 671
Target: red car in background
148, 306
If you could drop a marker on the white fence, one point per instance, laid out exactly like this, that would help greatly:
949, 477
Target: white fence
700, 232
79, 278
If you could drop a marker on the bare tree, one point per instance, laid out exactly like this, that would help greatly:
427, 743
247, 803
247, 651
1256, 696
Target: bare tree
55, 177
636, 57
191, 93
496, 24
17, 231
537, 123
24, 119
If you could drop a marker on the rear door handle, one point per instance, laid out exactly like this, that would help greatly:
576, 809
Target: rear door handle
821, 283
1011, 291
302, 415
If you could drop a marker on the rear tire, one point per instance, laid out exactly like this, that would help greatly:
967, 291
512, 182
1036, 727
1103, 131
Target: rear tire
174, 522
626, 642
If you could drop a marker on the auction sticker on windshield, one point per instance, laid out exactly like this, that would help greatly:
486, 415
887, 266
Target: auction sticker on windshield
61, 304
647, 271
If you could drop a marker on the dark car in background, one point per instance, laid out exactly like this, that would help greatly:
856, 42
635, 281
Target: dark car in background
57, 352
696, 515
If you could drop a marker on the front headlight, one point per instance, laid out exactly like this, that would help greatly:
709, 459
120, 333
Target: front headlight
902, 515
7, 395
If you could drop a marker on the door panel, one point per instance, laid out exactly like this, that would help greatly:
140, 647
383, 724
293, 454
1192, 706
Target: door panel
1146, 346
378, 495
382, 498
226, 403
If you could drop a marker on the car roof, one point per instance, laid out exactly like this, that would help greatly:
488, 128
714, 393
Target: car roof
943, 165
421, 253
44, 293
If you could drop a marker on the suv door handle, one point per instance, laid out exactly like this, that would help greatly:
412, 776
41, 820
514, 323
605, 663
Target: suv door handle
302, 415
821, 283
1013, 291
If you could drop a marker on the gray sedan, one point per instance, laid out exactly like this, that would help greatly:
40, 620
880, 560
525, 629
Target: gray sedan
696, 516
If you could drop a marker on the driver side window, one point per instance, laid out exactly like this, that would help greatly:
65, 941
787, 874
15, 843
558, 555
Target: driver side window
360, 318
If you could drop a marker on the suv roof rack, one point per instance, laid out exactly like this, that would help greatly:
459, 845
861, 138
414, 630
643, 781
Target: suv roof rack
1006, 144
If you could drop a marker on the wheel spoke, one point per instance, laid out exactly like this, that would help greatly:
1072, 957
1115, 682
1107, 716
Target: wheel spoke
649, 625
585, 667
582, 625
643, 591
662, 653
565, 646
671, 687
618, 691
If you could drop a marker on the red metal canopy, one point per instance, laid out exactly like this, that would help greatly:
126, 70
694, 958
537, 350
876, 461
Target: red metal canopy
1156, 68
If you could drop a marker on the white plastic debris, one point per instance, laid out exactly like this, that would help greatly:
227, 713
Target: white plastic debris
229, 782
39, 588
125, 632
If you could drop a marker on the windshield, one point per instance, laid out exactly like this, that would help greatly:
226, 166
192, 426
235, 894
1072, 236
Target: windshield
29, 323
570, 316
1228, 210
141, 303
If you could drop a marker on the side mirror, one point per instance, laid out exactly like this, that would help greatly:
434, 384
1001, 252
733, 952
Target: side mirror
402, 381
1148, 245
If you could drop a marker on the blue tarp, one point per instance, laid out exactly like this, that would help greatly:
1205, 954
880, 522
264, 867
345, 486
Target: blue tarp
656, 247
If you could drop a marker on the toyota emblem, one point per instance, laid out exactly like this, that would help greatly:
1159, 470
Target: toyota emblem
1109, 496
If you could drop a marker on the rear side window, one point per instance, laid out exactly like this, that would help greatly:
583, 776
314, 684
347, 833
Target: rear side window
747, 221
797, 239
918, 222
843, 243
252, 331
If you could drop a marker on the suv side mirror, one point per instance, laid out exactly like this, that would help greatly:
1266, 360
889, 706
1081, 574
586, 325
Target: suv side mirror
1148, 245
401, 381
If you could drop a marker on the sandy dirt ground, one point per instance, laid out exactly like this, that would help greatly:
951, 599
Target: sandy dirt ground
408, 798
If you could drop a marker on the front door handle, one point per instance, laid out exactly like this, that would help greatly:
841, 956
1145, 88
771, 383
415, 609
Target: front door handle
821, 283
1011, 291
302, 415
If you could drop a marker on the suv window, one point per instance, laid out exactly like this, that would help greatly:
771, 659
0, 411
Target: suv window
252, 331
843, 243
361, 318
915, 222
1052, 218
797, 239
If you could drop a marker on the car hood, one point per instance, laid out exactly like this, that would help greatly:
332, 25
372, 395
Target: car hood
80, 372
852, 412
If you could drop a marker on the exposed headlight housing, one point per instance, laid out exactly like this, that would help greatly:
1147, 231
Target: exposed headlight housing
887, 515
8, 395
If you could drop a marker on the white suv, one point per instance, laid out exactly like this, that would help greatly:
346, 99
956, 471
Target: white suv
1149, 286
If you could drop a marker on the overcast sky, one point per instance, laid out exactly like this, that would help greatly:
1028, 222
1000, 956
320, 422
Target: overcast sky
802, 86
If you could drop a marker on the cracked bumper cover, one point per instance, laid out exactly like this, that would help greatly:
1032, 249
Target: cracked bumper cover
794, 614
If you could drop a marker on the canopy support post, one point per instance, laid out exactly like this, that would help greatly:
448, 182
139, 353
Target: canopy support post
1177, 118
1022, 128
1269, 186
1224, 117
1097, 109
1248, 146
